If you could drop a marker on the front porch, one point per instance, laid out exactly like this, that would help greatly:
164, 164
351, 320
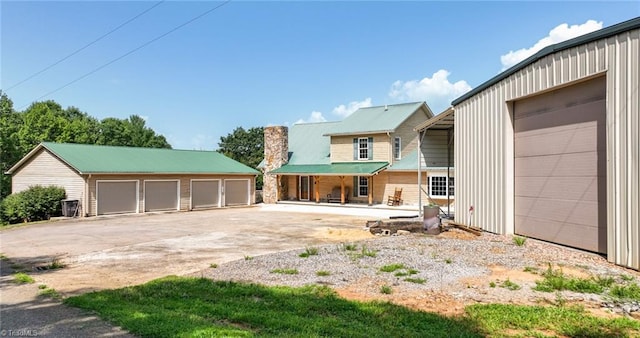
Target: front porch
380, 210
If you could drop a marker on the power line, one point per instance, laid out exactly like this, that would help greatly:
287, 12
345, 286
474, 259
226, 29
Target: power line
85, 46
132, 51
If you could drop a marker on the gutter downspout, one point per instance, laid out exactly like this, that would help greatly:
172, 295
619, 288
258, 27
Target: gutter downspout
421, 135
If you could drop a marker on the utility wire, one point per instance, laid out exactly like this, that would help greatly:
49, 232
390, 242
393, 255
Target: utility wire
85, 46
132, 51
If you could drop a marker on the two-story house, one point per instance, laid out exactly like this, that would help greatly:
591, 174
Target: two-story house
365, 158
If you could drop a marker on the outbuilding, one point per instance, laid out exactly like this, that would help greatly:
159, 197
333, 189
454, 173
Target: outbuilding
549, 148
118, 180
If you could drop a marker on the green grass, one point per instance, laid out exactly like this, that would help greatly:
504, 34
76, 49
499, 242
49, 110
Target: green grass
519, 241
626, 278
285, 271
509, 285
631, 292
213, 265
56, 264
448, 260
51, 293
531, 269
3, 257
386, 289
199, 307
415, 280
322, 273
22, 278
492, 284
392, 267
496, 320
248, 258
309, 252
349, 246
556, 280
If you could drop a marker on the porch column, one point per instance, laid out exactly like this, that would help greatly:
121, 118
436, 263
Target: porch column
342, 197
279, 187
316, 187
370, 190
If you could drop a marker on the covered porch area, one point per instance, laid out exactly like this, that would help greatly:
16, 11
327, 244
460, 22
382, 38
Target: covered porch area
341, 183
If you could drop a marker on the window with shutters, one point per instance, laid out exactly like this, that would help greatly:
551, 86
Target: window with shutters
363, 148
397, 144
363, 186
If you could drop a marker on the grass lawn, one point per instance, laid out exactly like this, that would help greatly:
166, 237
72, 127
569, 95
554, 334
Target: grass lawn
199, 307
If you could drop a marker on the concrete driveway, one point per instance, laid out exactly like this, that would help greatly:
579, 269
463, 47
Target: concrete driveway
112, 252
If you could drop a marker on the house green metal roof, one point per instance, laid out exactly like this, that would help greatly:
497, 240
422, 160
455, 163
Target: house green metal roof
335, 169
581, 40
89, 159
380, 119
407, 162
307, 143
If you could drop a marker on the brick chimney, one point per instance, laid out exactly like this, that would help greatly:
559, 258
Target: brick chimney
276, 154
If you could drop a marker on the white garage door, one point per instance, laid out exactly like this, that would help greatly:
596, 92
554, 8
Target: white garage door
161, 195
236, 192
560, 173
116, 197
205, 194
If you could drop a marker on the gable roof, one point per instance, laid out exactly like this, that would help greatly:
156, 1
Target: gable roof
379, 119
308, 143
93, 159
580, 40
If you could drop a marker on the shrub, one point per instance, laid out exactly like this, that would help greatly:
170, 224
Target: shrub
34, 204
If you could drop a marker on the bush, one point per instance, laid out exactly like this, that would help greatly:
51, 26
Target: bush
34, 204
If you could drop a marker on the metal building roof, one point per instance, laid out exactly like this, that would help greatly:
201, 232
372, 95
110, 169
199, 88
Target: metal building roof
91, 159
593, 36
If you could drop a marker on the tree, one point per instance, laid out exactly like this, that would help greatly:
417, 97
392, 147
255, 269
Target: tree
47, 121
244, 146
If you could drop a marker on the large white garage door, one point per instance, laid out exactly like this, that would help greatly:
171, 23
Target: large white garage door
560, 173
116, 197
161, 195
205, 194
236, 192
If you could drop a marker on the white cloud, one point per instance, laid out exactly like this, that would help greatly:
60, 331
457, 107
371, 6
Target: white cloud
560, 33
315, 116
346, 110
437, 90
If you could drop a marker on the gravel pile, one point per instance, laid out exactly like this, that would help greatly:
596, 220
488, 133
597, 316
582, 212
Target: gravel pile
455, 263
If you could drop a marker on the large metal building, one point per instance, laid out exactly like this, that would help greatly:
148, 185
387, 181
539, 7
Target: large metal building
549, 148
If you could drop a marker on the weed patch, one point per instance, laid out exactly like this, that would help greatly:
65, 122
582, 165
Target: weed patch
322, 273
285, 271
519, 240
22, 278
312, 251
415, 280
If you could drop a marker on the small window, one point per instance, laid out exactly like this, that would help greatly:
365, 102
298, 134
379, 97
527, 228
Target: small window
363, 186
397, 145
363, 148
438, 186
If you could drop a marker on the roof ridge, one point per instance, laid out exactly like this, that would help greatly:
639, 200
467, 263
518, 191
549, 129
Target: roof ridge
122, 147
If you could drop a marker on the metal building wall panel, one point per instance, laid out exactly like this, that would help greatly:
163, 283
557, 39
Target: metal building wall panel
484, 137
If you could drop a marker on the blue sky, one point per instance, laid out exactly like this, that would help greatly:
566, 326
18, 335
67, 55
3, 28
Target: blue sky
257, 63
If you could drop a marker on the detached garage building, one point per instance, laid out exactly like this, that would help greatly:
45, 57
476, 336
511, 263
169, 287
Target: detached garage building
549, 148
117, 180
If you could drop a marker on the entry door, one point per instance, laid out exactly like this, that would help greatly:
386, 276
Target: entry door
306, 186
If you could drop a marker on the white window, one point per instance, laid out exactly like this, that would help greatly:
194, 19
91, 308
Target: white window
363, 148
397, 144
438, 186
363, 186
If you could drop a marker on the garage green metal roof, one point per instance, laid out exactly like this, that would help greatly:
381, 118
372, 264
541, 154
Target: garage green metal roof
380, 119
335, 169
88, 159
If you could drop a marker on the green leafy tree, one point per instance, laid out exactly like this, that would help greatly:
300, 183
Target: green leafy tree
245, 146
10, 150
131, 132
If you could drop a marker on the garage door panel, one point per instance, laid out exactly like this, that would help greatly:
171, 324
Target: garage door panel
205, 194
160, 195
236, 192
552, 142
589, 238
562, 119
560, 166
573, 164
583, 188
117, 197
559, 210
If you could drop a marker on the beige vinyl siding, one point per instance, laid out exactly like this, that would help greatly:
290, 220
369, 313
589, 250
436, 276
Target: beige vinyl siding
45, 169
484, 151
185, 186
407, 133
342, 148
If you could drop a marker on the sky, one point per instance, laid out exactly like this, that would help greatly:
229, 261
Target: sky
195, 71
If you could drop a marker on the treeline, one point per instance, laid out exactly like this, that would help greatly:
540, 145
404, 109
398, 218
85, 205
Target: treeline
47, 121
